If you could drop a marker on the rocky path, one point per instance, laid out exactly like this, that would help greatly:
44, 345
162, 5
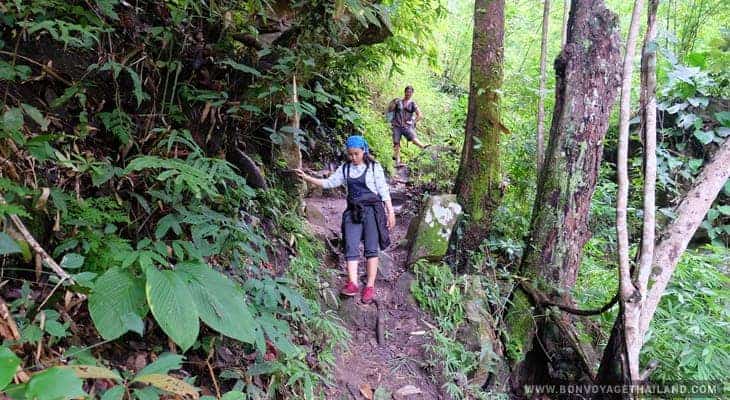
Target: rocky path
399, 366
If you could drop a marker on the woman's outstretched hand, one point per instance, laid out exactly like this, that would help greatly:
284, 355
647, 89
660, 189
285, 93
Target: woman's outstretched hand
301, 174
391, 220
308, 178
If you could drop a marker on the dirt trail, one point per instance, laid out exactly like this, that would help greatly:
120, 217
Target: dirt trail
401, 360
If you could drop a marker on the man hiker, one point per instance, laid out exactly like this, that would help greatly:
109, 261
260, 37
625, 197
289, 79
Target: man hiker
404, 114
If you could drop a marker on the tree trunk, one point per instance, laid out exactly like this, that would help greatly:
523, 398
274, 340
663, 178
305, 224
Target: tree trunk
586, 86
477, 183
541, 96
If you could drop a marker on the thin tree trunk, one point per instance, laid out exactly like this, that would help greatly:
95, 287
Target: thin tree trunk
566, 11
477, 183
648, 107
586, 87
541, 97
629, 300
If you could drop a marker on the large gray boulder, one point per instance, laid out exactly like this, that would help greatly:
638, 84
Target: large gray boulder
430, 231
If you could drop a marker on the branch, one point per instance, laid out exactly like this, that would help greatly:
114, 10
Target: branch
690, 213
542, 300
248, 39
37, 247
46, 68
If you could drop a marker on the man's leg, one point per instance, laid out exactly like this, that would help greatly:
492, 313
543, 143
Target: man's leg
411, 135
419, 143
396, 145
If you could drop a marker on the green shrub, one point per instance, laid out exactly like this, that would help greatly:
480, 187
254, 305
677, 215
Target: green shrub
689, 332
438, 291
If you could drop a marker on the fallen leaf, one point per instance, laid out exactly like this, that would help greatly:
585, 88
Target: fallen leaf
366, 391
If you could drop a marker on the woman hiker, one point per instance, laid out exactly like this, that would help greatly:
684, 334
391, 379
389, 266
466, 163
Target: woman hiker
369, 214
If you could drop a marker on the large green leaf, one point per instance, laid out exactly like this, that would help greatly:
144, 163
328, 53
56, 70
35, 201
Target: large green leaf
8, 245
9, 363
72, 261
55, 384
164, 364
219, 301
704, 137
117, 304
13, 119
723, 118
115, 393
233, 395
171, 304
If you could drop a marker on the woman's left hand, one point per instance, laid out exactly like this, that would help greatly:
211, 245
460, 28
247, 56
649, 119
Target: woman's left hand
391, 220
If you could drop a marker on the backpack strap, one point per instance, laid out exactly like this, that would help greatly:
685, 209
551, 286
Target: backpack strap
346, 169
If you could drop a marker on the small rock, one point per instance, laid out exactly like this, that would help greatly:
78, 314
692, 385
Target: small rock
385, 269
362, 316
407, 390
404, 288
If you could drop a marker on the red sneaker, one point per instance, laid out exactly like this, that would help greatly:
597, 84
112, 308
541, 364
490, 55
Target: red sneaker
350, 289
368, 294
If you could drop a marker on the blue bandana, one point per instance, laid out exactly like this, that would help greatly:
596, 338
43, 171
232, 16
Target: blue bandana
358, 142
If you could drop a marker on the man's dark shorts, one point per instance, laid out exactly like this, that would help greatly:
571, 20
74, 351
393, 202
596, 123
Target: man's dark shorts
399, 131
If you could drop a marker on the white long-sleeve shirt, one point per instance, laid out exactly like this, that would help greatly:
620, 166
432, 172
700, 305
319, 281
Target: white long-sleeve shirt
374, 180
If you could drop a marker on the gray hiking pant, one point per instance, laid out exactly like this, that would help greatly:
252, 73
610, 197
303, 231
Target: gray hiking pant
366, 232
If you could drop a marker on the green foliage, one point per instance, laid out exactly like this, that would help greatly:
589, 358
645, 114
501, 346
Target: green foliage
54, 384
8, 245
689, 95
9, 364
119, 124
688, 335
169, 299
117, 304
454, 362
437, 290
219, 302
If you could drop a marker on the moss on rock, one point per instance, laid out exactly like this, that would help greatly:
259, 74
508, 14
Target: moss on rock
430, 232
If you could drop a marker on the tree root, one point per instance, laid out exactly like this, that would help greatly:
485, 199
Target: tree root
380, 324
